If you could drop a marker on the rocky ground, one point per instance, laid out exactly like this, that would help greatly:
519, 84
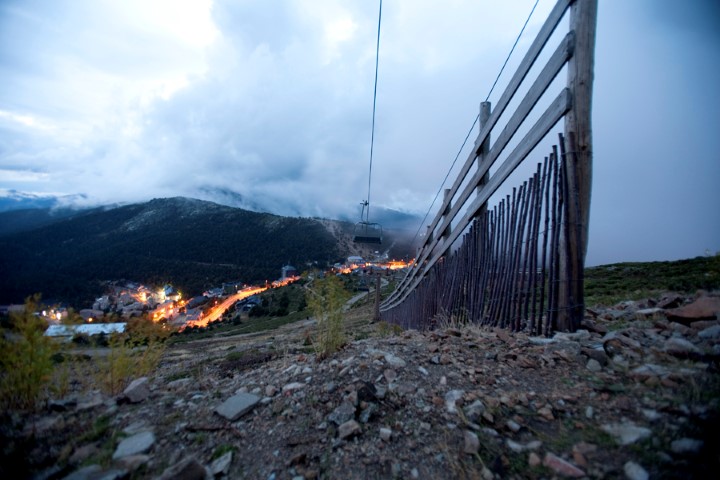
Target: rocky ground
635, 394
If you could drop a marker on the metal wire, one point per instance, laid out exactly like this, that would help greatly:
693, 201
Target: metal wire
372, 134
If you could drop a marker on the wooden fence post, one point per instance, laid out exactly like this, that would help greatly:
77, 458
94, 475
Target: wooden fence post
376, 310
446, 194
483, 151
578, 135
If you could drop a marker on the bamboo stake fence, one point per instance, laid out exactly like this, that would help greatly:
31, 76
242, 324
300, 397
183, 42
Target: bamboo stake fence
520, 264
503, 274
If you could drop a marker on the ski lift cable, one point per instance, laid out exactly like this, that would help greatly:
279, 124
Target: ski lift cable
372, 134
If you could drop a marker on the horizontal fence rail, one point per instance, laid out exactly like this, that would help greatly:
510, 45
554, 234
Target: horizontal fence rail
500, 275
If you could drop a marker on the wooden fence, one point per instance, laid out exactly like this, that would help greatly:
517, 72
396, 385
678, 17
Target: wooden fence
501, 275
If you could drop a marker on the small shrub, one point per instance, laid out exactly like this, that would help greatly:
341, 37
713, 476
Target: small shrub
132, 354
386, 329
26, 359
326, 301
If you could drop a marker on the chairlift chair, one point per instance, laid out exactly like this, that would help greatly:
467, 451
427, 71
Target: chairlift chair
366, 231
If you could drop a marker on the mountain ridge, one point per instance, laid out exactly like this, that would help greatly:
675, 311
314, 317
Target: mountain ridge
194, 244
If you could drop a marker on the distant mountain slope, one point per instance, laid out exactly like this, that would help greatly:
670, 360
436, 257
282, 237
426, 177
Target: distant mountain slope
15, 221
192, 243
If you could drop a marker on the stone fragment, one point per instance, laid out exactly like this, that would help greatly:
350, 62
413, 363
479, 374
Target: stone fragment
390, 375
568, 350
83, 453
237, 406
596, 353
367, 413
138, 443
593, 365
594, 326
649, 370
651, 414
394, 360
471, 442
349, 429
385, 434
562, 467
344, 412
680, 328
670, 301
704, 308
649, 313
221, 465
686, 445
291, 387
513, 426
710, 333
179, 384
680, 347
85, 473
534, 459
93, 400
270, 390
451, 398
703, 324
578, 336
474, 411
514, 446
519, 447
133, 462
188, 469
546, 413
626, 433
584, 448
633, 471
137, 391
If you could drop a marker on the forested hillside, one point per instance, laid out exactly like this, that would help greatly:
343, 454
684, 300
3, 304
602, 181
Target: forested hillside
191, 243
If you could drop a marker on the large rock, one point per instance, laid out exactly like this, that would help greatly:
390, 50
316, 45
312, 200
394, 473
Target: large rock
451, 399
634, 471
626, 433
562, 467
686, 445
474, 411
471, 442
344, 412
137, 391
704, 308
221, 466
237, 406
710, 332
349, 429
680, 347
138, 443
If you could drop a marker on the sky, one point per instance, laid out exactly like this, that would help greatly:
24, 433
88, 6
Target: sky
268, 106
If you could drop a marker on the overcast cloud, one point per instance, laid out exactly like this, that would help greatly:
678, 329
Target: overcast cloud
268, 105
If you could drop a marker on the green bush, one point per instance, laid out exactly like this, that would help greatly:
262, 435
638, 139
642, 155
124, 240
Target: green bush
26, 359
326, 300
132, 354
